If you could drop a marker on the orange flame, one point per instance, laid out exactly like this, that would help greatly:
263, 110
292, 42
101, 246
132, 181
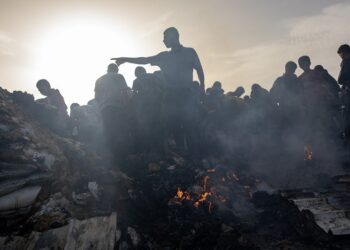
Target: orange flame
204, 196
179, 193
196, 204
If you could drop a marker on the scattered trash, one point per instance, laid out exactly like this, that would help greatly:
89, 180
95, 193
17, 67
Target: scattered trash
93, 188
135, 238
82, 198
172, 167
19, 199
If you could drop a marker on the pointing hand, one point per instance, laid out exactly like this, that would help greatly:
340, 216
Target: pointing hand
119, 60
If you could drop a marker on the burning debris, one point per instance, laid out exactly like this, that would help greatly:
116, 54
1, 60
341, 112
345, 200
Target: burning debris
213, 190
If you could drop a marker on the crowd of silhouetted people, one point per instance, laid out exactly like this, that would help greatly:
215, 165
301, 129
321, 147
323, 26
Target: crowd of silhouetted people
167, 110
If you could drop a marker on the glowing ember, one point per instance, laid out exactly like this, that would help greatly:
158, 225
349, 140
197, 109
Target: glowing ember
179, 194
209, 196
196, 204
204, 196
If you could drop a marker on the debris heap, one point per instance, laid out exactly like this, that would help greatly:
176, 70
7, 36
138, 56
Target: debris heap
56, 193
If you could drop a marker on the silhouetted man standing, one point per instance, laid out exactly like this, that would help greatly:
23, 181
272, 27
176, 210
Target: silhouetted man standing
147, 102
215, 96
177, 67
344, 76
344, 81
287, 90
286, 93
332, 88
314, 91
111, 95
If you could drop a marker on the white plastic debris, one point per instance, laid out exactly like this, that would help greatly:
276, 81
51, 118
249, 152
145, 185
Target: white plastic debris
135, 239
20, 198
93, 188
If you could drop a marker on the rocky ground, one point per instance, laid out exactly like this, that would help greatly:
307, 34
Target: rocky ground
57, 193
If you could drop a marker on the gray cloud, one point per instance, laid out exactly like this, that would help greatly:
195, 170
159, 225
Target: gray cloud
318, 36
157, 25
6, 44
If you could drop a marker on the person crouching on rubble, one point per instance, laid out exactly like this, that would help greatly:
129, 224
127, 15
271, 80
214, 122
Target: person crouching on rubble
87, 122
54, 102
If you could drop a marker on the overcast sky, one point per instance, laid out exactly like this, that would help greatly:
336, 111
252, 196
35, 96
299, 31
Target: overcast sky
239, 42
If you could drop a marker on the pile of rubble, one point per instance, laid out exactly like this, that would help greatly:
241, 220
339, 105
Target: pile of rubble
42, 174
55, 193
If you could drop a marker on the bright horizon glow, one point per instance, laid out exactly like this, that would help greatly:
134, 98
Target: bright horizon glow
73, 54
70, 42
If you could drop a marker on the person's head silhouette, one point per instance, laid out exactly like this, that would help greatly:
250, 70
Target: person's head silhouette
239, 91
344, 51
140, 71
217, 85
256, 87
290, 67
74, 105
43, 86
319, 68
304, 63
171, 37
112, 68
